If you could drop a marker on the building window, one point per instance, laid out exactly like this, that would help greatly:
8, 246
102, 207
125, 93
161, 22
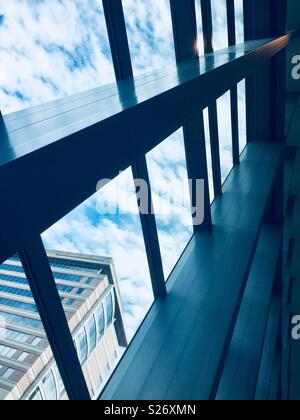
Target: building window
100, 321
36, 395
8, 373
109, 309
82, 346
92, 333
50, 387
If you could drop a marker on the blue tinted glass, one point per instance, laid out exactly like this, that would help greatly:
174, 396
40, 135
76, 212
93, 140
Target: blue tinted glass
15, 291
82, 346
92, 333
13, 279
100, 321
20, 305
109, 309
21, 320
66, 289
9, 267
67, 277
50, 387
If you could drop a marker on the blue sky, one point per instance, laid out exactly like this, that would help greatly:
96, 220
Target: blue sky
53, 48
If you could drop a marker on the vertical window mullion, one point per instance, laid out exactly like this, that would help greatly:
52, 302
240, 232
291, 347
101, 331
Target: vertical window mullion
47, 299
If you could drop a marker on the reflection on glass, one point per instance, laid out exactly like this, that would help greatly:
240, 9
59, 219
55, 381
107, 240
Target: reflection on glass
171, 200
150, 36
46, 56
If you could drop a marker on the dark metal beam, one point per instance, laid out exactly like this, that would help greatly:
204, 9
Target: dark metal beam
184, 29
119, 46
212, 108
234, 91
207, 26
46, 296
116, 28
185, 40
148, 222
102, 135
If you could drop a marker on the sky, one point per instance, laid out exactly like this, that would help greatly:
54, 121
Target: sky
53, 48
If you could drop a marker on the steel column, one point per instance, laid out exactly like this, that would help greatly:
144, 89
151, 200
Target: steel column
44, 290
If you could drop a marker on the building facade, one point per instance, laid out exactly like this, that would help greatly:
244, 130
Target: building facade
90, 296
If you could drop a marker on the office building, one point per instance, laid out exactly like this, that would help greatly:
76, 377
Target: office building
90, 296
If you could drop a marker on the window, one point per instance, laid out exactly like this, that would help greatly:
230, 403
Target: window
10, 267
149, 29
23, 356
36, 395
7, 352
84, 268
219, 18
58, 56
239, 21
199, 27
15, 291
109, 309
107, 226
61, 387
225, 134
242, 114
21, 320
100, 321
171, 199
208, 155
13, 279
92, 333
82, 346
17, 304
49, 387
8, 373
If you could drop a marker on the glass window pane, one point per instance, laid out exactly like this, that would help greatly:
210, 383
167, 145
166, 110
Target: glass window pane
45, 56
150, 35
92, 333
219, 19
82, 346
199, 27
239, 21
105, 231
100, 321
242, 114
109, 309
49, 387
225, 134
36, 395
171, 199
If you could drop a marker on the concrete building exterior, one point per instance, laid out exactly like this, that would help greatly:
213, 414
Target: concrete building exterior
90, 295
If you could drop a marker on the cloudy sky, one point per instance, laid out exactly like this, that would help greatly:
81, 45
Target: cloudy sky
53, 48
